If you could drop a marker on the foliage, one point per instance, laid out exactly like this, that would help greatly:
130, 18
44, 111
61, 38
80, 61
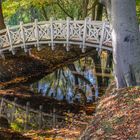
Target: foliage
138, 9
117, 115
28, 10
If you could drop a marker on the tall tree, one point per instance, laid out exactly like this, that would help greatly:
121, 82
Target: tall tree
96, 58
126, 41
99, 14
85, 8
2, 25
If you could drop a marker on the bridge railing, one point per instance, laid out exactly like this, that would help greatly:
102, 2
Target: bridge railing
77, 32
29, 119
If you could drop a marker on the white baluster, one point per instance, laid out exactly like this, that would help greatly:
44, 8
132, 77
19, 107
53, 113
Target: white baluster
102, 37
75, 19
84, 35
68, 33
89, 24
74, 24
10, 40
52, 33
37, 34
60, 23
23, 36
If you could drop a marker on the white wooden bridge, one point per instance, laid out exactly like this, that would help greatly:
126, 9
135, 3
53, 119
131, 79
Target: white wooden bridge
84, 33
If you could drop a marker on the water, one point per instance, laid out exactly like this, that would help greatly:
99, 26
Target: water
62, 84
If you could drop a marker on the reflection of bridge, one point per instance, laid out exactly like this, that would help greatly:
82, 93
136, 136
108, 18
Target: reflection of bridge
30, 119
85, 33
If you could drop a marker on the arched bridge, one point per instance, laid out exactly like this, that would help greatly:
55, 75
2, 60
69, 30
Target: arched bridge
85, 33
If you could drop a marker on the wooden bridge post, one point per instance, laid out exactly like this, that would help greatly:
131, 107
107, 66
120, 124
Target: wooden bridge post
23, 36
37, 34
13, 110
68, 33
40, 116
52, 33
102, 38
84, 35
27, 116
10, 40
54, 117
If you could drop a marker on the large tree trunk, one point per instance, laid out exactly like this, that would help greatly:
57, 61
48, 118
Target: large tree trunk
2, 25
97, 58
126, 43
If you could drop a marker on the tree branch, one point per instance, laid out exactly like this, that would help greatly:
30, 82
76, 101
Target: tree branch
44, 12
64, 9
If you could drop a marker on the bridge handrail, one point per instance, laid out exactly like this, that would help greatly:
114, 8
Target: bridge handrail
77, 32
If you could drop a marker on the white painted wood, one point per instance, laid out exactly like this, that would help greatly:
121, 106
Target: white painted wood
102, 37
23, 36
52, 40
10, 40
53, 29
89, 23
68, 33
75, 19
84, 36
37, 34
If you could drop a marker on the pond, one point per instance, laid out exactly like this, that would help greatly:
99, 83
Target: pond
70, 83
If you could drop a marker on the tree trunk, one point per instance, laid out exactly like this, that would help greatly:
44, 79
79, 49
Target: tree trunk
44, 12
98, 69
94, 9
108, 68
2, 25
85, 8
96, 58
126, 43
99, 12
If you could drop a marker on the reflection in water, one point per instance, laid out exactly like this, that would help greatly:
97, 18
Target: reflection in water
68, 84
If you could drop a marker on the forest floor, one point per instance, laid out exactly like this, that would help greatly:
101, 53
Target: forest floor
117, 116
71, 132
